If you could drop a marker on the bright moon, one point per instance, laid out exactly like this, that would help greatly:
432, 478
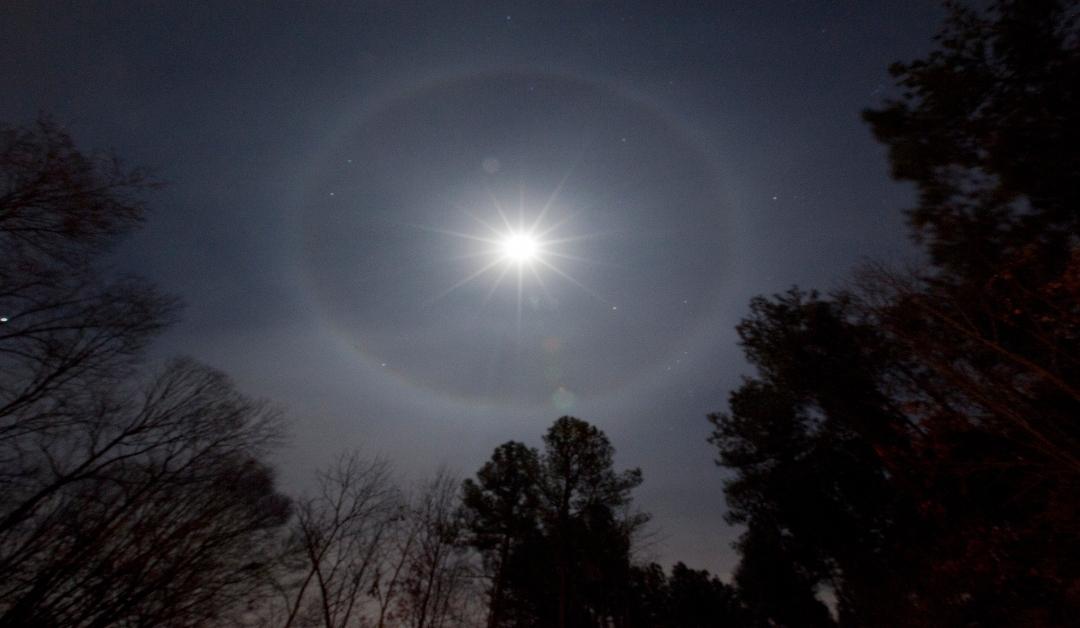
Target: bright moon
519, 247
521, 250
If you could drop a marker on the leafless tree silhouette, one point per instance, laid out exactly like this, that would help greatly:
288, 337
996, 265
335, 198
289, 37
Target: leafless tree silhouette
126, 496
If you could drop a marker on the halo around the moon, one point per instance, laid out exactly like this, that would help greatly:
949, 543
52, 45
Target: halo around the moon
621, 182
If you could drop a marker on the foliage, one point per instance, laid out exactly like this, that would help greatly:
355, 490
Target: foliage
554, 529
820, 503
987, 130
912, 444
689, 598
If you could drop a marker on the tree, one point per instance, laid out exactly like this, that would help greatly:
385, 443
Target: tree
438, 584
810, 439
918, 432
128, 496
364, 553
583, 501
64, 327
161, 513
341, 539
701, 600
502, 515
986, 128
988, 131
689, 598
555, 529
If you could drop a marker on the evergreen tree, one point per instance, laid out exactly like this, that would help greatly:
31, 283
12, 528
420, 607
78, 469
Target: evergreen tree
913, 444
555, 528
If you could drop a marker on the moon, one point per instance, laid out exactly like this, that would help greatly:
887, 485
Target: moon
519, 248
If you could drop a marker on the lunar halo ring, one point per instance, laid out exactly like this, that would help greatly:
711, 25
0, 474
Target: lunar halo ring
355, 119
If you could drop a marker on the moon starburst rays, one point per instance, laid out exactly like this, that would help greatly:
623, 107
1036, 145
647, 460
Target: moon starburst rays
527, 250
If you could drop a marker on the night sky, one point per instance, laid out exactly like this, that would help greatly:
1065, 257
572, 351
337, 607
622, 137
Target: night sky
340, 176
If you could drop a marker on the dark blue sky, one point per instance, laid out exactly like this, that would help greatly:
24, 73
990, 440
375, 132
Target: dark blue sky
318, 155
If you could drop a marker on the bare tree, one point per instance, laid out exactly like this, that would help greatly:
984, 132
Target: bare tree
126, 497
439, 587
1001, 357
387, 589
65, 327
365, 554
342, 535
156, 513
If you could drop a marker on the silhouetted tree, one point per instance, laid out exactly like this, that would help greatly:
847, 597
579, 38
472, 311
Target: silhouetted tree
582, 508
502, 511
648, 598
689, 598
701, 600
364, 553
988, 131
66, 329
126, 497
162, 512
555, 529
986, 128
438, 588
913, 444
806, 438
342, 538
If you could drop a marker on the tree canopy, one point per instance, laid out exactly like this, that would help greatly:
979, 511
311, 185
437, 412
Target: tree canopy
555, 528
911, 443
